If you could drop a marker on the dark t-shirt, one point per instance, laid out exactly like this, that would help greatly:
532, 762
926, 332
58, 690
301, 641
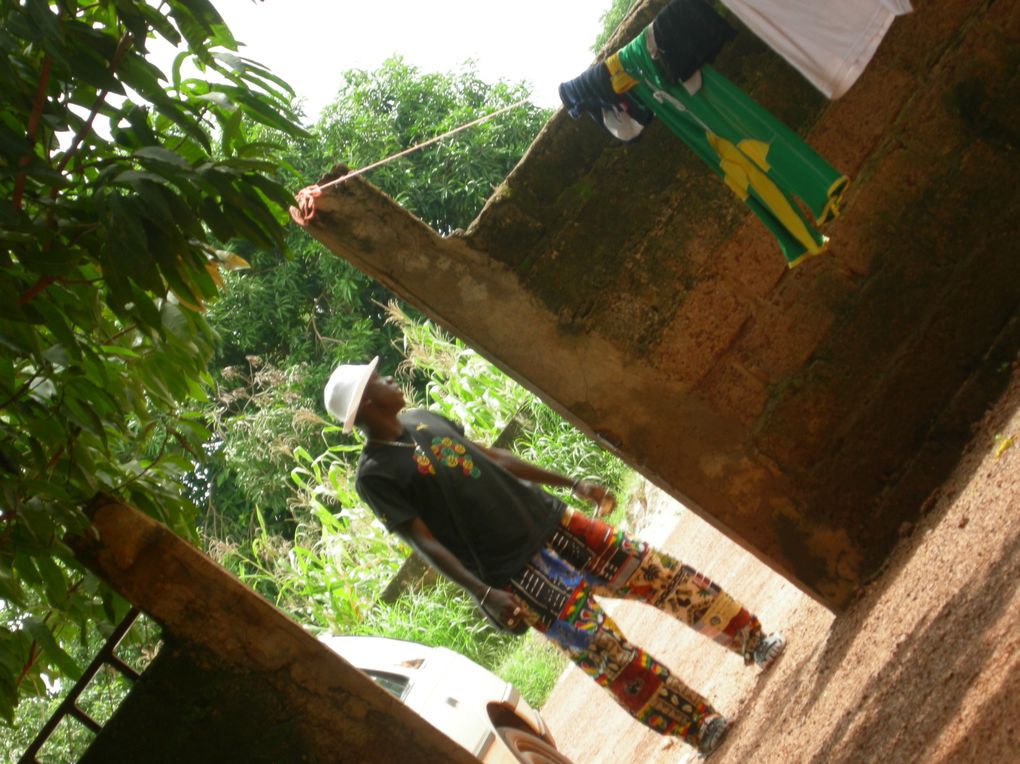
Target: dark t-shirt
504, 520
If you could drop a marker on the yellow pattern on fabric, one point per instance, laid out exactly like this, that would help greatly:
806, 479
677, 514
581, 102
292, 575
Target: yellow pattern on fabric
741, 173
806, 255
836, 193
757, 150
618, 78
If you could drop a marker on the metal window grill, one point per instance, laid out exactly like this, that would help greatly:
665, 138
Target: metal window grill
69, 706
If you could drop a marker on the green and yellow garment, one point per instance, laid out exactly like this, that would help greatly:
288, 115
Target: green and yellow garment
761, 160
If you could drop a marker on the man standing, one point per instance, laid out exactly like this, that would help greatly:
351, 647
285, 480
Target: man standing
475, 514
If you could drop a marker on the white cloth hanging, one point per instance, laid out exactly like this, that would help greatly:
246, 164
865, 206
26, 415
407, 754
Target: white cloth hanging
830, 42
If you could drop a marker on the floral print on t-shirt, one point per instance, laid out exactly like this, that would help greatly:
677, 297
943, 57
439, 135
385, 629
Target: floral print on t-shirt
423, 462
452, 454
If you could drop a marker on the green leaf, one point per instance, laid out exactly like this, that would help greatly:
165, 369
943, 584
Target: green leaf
179, 116
14, 145
10, 588
259, 71
48, 27
52, 651
159, 156
141, 76
273, 190
231, 129
127, 245
91, 59
175, 71
55, 261
24, 566
12, 336
84, 415
6, 376
218, 99
53, 577
160, 24
117, 350
231, 60
8, 698
265, 113
56, 355
145, 310
97, 397
138, 117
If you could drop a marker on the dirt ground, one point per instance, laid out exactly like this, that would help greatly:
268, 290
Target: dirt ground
923, 667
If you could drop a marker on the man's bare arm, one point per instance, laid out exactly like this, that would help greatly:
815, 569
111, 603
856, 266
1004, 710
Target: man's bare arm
418, 536
584, 489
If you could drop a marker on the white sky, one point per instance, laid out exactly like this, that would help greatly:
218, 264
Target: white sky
310, 43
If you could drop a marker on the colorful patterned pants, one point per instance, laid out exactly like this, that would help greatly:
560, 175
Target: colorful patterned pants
585, 557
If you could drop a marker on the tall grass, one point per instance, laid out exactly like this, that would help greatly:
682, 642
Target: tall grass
533, 666
441, 615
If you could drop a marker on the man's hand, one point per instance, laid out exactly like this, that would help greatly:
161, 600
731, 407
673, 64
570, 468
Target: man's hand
503, 606
601, 496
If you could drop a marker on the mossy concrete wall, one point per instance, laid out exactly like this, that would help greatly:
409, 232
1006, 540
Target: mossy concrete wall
806, 412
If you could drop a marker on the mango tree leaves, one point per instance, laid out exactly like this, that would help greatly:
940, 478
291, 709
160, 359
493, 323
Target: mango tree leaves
121, 186
382, 112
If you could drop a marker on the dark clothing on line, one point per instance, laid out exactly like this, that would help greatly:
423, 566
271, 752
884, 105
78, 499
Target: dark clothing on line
688, 34
591, 93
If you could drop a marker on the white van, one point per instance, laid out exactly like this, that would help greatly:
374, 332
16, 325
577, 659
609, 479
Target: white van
461, 699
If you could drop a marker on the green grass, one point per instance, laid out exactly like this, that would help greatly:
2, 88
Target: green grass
444, 616
533, 666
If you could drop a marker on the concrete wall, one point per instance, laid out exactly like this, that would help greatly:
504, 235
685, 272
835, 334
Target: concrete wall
237, 681
806, 412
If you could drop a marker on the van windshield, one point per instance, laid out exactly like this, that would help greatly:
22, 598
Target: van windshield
393, 683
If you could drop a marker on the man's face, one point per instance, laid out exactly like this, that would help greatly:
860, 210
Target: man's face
384, 394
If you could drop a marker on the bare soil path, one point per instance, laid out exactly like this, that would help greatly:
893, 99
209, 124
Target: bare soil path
924, 667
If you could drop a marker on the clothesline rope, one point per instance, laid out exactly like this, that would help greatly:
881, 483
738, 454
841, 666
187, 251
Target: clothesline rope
305, 198
429, 142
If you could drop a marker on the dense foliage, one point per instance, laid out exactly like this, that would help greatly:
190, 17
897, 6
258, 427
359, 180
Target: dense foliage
116, 203
269, 341
377, 114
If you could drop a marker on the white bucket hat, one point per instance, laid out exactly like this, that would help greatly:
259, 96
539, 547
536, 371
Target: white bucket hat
344, 390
